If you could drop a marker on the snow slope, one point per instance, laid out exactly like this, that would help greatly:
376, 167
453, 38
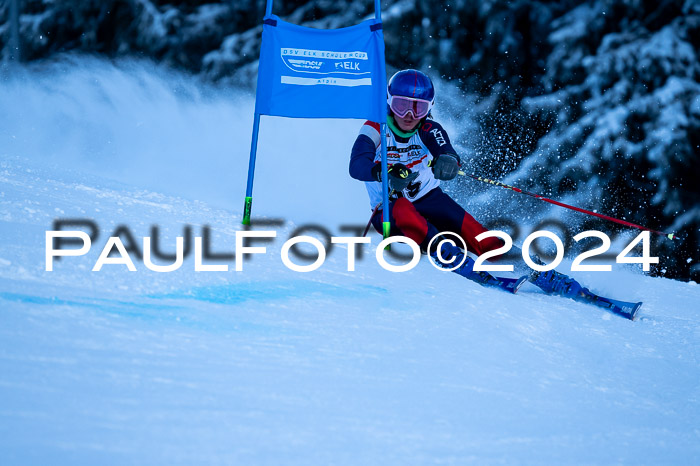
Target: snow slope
271, 366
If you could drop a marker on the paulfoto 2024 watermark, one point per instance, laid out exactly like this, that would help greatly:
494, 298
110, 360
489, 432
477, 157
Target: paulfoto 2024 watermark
116, 253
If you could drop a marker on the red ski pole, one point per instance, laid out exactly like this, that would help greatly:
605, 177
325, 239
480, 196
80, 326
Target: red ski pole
670, 236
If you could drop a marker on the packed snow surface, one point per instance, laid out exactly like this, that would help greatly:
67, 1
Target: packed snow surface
267, 365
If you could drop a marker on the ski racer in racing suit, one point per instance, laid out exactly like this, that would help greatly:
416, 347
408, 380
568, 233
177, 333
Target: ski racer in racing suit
419, 156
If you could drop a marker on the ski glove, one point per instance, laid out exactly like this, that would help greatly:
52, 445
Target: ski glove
445, 166
399, 176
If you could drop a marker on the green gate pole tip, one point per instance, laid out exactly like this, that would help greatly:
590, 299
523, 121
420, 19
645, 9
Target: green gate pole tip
387, 228
246, 210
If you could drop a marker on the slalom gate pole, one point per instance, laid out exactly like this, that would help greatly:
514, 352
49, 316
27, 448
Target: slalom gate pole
670, 236
251, 170
386, 224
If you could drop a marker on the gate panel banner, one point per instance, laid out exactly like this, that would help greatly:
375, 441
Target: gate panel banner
322, 73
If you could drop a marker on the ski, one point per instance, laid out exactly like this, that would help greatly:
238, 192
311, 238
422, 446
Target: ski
625, 309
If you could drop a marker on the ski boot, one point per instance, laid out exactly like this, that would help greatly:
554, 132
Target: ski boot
557, 283
553, 282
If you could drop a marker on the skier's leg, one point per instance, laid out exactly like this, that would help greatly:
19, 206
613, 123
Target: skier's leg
447, 255
407, 221
443, 212
411, 223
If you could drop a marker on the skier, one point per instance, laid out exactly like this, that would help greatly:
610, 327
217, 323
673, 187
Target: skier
420, 155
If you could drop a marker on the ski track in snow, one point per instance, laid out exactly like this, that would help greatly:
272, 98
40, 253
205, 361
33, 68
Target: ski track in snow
273, 366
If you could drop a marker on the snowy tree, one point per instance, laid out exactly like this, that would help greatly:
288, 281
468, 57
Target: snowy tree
596, 102
624, 109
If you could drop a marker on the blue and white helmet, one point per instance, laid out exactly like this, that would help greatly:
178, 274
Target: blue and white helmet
412, 84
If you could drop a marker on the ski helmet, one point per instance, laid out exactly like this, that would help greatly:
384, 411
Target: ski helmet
412, 84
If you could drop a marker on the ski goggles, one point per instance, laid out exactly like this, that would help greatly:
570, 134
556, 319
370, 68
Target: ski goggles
401, 105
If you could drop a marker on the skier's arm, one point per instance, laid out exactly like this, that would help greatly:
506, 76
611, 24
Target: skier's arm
436, 139
445, 161
362, 165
